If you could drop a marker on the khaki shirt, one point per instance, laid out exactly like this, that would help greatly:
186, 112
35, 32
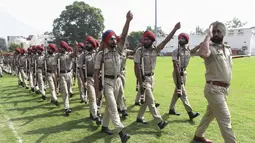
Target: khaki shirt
40, 59
80, 58
51, 61
219, 64
65, 61
123, 59
112, 61
1, 59
22, 61
149, 56
184, 56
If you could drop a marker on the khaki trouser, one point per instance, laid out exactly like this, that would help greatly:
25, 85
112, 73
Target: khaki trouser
137, 98
19, 77
149, 100
50, 77
184, 97
69, 82
63, 88
40, 81
121, 97
111, 90
81, 87
92, 97
1, 69
23, 76
217, 108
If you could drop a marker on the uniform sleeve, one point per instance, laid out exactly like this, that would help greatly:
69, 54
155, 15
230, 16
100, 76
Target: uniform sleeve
98, 60
174, 55
137, 56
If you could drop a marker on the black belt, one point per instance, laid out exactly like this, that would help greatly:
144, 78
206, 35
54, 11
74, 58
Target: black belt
149, 74
50, 71
110, 76
218, 83
65, 71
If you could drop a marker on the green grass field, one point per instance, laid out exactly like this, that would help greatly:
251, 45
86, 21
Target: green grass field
35, 120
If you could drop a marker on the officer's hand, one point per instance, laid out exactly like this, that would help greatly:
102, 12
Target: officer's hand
177, 26
129, 16
209, 31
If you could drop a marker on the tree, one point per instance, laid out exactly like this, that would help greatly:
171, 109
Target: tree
77, 21
13, 46
198, 31
235, 23
134, 38
160, 32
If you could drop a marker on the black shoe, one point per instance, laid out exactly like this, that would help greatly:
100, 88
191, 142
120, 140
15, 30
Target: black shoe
124, 113
37, 92
91, 117
71, 95
55, 102
157, 105
193, 115
43, 97
124, 137
67, 112
27, 87
162, 124
32, 89
172, 112
98, 121
141, 121
106, 130
137, 104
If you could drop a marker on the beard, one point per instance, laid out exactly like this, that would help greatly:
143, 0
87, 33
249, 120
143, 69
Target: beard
88, 48
181, 43
113, 45
217, 40
147, 45
50, 52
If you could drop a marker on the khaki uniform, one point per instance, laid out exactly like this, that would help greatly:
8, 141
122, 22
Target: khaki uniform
184, 54
35, 81
112, 83
150, 56
51, 61
218, 68
80, 85
17, 68
69, 65
30, 67
1, 64
88, 61
40, 61
65, 60
121, 97
22, 69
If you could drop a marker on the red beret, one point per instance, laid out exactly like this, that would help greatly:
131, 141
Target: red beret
39, 48
17, 50
91, 40
64, 45
29, 49
70, 49
149, 34
80, 45
53, 47
186, 36
22, 50
33, 47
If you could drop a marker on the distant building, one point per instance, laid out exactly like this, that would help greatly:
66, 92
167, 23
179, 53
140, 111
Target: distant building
3, 46
241, 40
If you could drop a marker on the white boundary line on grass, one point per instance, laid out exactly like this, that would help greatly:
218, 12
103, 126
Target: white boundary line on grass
10, 125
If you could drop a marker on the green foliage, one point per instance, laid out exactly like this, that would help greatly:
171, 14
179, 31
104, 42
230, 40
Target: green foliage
77, 21
13, 46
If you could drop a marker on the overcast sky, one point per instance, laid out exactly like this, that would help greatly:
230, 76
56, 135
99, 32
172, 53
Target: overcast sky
24, 17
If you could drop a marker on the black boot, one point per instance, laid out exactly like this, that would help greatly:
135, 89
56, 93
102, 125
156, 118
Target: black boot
98, 121
137, 104
32, 89
43, 97
67, 112
162, 124
124, 137
124, 113
157, 105
173, 112
193, 115
106, 130
141, 121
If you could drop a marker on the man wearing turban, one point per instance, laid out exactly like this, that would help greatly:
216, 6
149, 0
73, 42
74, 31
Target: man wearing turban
218, 64
145, 61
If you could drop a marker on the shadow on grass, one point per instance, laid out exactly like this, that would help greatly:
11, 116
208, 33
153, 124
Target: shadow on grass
21, 101
45, 115
166, 117
67, 126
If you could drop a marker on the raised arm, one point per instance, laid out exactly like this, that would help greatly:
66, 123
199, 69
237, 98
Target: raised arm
204, 51
169, 37
129, 17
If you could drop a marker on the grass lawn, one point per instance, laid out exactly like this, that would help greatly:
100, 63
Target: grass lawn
35, 120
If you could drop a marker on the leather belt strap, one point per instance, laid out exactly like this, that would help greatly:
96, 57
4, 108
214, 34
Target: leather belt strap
110, 76
149, 74
218, 83
65, 71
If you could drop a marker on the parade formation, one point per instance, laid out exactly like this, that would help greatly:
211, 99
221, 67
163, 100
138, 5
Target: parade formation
99, 67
